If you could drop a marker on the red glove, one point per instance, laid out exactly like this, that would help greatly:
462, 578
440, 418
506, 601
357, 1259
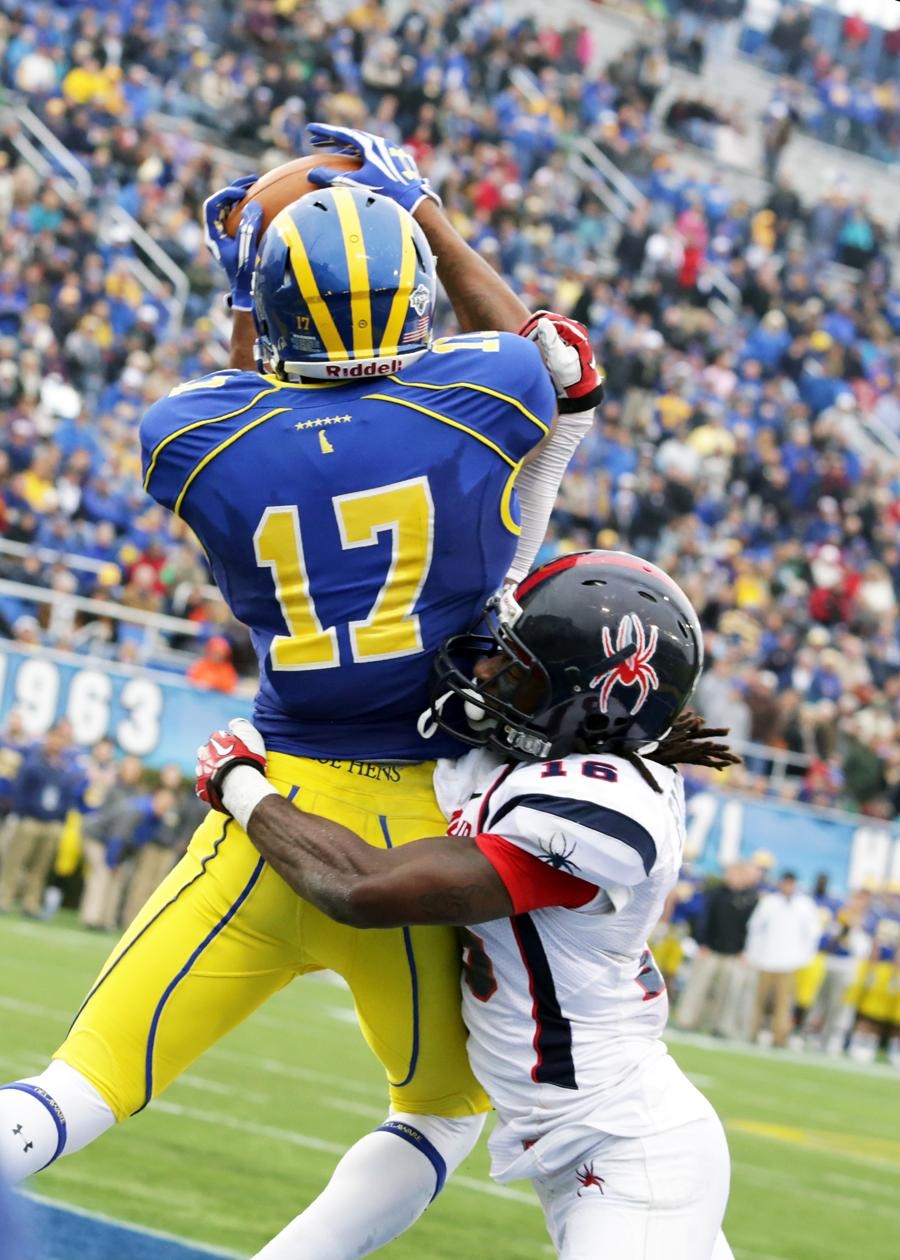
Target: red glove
240, 745
569, 358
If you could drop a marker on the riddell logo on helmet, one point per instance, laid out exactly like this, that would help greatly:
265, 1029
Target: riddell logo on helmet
378, 367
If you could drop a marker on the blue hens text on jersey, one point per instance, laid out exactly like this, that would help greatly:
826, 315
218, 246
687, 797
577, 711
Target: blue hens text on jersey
353, 526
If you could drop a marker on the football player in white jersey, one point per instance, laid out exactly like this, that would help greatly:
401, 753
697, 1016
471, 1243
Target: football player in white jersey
566, 833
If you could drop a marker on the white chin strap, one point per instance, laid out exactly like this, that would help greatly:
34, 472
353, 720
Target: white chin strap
475, 714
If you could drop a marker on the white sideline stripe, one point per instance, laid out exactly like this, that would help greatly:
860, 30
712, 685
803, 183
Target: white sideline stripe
293, 1071
206, 1086
162, 1234
766, 1176
343, 1014
307, 1142
54, 936
805, 1058
30, 1008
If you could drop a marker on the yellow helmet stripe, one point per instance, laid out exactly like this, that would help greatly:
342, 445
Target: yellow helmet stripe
286, 228
357, 272
400, 306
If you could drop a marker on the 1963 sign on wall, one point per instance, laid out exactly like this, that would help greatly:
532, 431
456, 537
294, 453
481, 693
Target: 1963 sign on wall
158, 717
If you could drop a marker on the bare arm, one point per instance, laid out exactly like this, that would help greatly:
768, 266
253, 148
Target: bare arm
243, 335
480, 297
445, 879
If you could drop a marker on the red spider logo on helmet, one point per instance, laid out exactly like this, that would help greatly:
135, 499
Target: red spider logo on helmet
635, 670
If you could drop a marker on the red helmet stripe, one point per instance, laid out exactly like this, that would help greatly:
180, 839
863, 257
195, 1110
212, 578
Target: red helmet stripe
620, 559
548, 570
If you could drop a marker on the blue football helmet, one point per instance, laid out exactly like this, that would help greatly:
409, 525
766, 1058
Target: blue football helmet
344, 287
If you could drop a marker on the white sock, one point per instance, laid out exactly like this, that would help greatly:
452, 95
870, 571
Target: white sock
43, 1117
380, 1187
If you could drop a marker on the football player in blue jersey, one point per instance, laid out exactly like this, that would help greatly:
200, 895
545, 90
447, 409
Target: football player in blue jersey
358, 495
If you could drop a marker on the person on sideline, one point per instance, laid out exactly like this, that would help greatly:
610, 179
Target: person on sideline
782, 936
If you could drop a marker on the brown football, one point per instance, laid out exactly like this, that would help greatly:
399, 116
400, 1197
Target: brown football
279, 187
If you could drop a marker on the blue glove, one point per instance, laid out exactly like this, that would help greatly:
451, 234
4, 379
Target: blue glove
386, 168
236, 254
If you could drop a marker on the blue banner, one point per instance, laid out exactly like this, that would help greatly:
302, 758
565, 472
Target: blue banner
853, 850
158, 717
161, 718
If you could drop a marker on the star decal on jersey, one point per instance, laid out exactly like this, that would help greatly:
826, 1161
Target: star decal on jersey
321, 422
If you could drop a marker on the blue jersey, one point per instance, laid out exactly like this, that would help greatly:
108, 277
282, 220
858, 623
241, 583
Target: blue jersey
353, 526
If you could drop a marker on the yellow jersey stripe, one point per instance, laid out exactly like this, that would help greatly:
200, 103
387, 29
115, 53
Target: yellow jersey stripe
390, 343
286, 228
506, 515
436, 415
217, 450
198, 424
357, 273
481, 389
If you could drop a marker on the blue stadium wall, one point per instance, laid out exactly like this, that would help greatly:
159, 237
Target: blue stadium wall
161, 719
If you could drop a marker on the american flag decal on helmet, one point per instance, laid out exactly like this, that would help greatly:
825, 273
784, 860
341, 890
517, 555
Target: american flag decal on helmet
419, 330
635, 670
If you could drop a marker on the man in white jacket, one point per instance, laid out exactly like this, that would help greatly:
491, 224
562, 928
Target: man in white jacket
782, 936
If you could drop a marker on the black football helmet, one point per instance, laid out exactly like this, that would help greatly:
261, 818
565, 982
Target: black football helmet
600, 650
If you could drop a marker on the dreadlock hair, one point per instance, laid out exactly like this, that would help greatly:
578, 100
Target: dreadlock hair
688, 743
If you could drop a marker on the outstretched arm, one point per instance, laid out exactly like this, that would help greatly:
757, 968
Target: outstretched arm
481, 299
441, 880
479, 295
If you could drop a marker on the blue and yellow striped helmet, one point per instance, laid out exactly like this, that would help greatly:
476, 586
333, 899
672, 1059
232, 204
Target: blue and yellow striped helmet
344, 287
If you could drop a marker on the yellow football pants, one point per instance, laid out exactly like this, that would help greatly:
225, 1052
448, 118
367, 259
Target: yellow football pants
223, 932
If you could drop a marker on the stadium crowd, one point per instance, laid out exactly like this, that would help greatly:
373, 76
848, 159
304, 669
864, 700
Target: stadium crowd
750, 349
840, 71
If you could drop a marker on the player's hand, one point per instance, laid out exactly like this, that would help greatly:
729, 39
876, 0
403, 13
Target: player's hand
569, 358
236, 254
386, 168
240, 745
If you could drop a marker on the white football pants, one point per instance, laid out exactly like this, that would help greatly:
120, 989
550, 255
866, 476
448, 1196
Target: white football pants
660, 1197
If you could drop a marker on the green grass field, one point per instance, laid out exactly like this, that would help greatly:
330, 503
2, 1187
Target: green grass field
251, 1133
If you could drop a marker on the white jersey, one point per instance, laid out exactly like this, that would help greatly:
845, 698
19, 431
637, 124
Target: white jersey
566, 1007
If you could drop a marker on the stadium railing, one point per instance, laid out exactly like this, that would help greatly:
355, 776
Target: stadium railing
72, 560
65, 605
47, 155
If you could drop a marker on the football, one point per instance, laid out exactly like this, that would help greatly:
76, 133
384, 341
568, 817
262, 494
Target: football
279, 187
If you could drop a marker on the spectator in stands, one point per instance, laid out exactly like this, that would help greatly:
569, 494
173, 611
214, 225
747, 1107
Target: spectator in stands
214, 670
782, 936
711, 1000
794, 338
47, 786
